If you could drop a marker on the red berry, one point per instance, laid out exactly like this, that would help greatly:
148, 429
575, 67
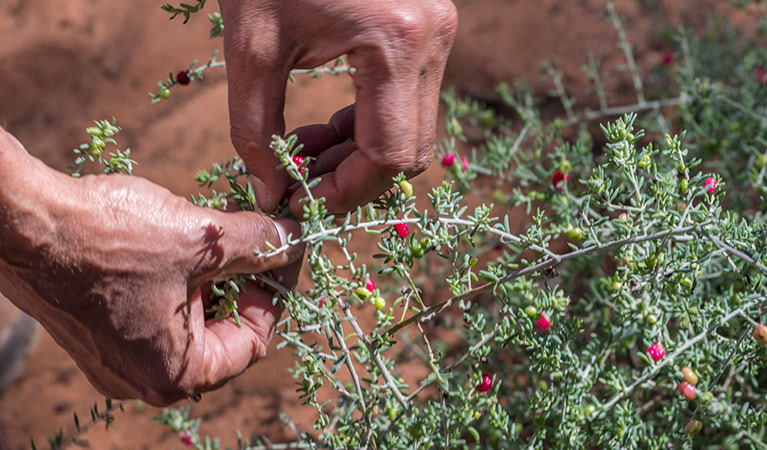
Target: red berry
710, 184
322, 301
370, 284
298, 160
761, 74
185, 439
559, 180
687, 390
543, 322
668, 58
656, 352
486, 384
760, 334
465, 163
182, 78
448, 160
402, 229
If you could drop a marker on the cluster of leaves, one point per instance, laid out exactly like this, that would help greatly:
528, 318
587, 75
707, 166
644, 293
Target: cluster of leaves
100, 136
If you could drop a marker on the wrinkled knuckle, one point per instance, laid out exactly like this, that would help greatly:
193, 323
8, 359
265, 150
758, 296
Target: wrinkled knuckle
447, 20
407, 24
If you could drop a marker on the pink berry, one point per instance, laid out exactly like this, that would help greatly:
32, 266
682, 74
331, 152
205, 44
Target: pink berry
298, 160
543, 322
402, 229
710, 183
559, 180
668, 58
761, 74
322, 301
465, 163
687, 390
185, 439
448, 160
370, 285
656, 352
486, 384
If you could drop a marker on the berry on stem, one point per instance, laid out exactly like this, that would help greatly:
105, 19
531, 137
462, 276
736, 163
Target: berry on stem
465, 163
559, 180
182, 78
656, 352
760, 334
370, 285
486, 384
693, 427
687, 390
185, 439
710, 185
543, 322
448, 160
379, 302
298, 160
322, 301
402, 229
407, 188
690, 376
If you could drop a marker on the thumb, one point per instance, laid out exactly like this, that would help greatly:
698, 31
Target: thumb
239, 242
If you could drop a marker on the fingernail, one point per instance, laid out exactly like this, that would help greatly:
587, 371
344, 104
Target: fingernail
289, 228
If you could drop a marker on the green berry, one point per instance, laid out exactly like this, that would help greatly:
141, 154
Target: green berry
761, 161
575, 234
644, 162
379, 302
683, 185
407, 188
363, 293
693, 427
531, 311
164, 93
681, 168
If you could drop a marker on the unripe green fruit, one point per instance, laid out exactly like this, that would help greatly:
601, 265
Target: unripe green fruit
693, 427
164, 93
681, 168
565, 166
407, 188
379, 302
684, 185
363, 293
761, 161
531, 311
575, 234
644, 162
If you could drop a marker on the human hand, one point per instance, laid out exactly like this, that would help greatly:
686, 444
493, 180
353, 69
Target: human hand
112, 268
399, 49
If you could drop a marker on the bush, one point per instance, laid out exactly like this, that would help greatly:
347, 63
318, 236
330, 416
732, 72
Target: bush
624, 313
